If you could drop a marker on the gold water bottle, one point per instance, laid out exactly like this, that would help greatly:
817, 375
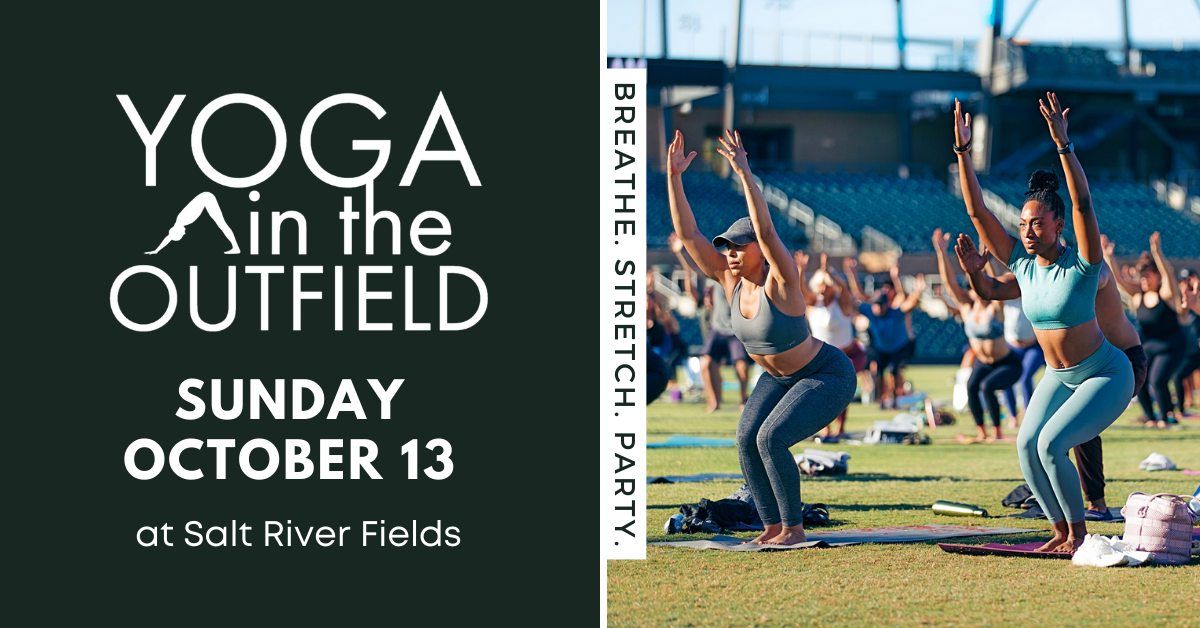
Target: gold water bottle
956, 509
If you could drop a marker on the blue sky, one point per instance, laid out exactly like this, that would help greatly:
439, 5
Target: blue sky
807, 31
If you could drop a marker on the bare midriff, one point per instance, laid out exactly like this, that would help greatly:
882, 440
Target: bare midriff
989, 351
790, 361
1070, 346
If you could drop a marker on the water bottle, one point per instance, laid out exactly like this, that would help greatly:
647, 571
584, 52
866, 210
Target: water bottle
956, 509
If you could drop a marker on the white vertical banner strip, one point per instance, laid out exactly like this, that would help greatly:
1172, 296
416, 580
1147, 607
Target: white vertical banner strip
623, 288
603, 65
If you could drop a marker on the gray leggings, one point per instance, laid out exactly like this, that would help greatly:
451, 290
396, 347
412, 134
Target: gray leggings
1070, 406
781, 412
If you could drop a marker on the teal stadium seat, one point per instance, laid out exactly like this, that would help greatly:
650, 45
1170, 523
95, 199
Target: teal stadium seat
906, 210
938, 341
1068, 61
714, 202
1128, 212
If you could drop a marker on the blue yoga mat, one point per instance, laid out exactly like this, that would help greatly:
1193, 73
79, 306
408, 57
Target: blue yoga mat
691, 441
700, 477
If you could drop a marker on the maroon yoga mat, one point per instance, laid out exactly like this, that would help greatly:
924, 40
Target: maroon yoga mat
1001, 549
1022, 549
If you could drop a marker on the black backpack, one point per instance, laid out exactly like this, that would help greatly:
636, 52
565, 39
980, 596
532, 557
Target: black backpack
1020, 497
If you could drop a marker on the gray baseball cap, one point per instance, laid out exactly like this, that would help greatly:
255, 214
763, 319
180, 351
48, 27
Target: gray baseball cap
741, 233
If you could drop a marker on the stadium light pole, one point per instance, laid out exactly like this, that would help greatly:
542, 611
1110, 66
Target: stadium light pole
643, 25
663, 23
904, 116
1021, 20
1125, 46
731, 63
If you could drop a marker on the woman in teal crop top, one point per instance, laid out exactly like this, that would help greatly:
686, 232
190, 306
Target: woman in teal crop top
1088, 381
806, 383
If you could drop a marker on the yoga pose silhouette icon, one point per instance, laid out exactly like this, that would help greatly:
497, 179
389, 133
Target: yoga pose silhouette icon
205, 202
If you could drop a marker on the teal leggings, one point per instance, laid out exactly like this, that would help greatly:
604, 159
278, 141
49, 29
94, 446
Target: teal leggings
1070, 406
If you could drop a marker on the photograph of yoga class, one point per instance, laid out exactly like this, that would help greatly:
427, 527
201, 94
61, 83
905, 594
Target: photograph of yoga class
923, 312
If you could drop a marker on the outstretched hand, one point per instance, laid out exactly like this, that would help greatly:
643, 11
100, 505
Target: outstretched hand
1056, 118
971, 260
675, 242
1191, 296
849, 265
1108, 246
1156, 242
734, 151
962, 125
825, 262
801, 259
940, 240
677, 162
919, 284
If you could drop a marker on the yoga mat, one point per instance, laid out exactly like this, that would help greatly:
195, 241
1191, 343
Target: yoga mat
1000, 549
1036, 513
1022, 549
699, 477
691, 441
839, 538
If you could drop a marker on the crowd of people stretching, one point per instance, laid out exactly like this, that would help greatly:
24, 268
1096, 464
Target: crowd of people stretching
1030, 301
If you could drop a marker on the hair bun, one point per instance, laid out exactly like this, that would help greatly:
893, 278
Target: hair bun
1043, 180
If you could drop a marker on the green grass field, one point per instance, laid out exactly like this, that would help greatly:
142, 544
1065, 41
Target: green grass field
900, 583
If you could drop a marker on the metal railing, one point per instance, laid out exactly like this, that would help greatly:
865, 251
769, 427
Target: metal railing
1008, 214
875, 241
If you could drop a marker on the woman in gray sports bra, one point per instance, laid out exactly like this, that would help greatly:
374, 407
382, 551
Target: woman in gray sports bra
806, 382
996, 367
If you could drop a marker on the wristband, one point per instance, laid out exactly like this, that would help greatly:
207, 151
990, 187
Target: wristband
962, 149
1067, 150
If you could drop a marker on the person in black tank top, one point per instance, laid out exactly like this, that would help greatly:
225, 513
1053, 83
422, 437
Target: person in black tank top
1162, 336
1187, 380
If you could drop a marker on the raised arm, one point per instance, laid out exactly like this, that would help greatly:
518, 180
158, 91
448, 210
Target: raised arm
897, 285
689, 272
1087, 230
1192, 296
991, 232
960, 296
914, 298
801, 266
1166, 288
1130, 288
708, 259
850, 265
973, 262
782, 266
846, 300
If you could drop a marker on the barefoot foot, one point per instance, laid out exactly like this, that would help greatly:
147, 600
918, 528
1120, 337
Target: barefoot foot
1052, 544
1068, 546
789, 536
770, 532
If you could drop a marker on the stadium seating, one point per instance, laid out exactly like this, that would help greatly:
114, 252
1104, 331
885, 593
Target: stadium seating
1078, 62
938, 340
1072, 61
715, 203
689, 331
906, 210
1128, 211
1177, 65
